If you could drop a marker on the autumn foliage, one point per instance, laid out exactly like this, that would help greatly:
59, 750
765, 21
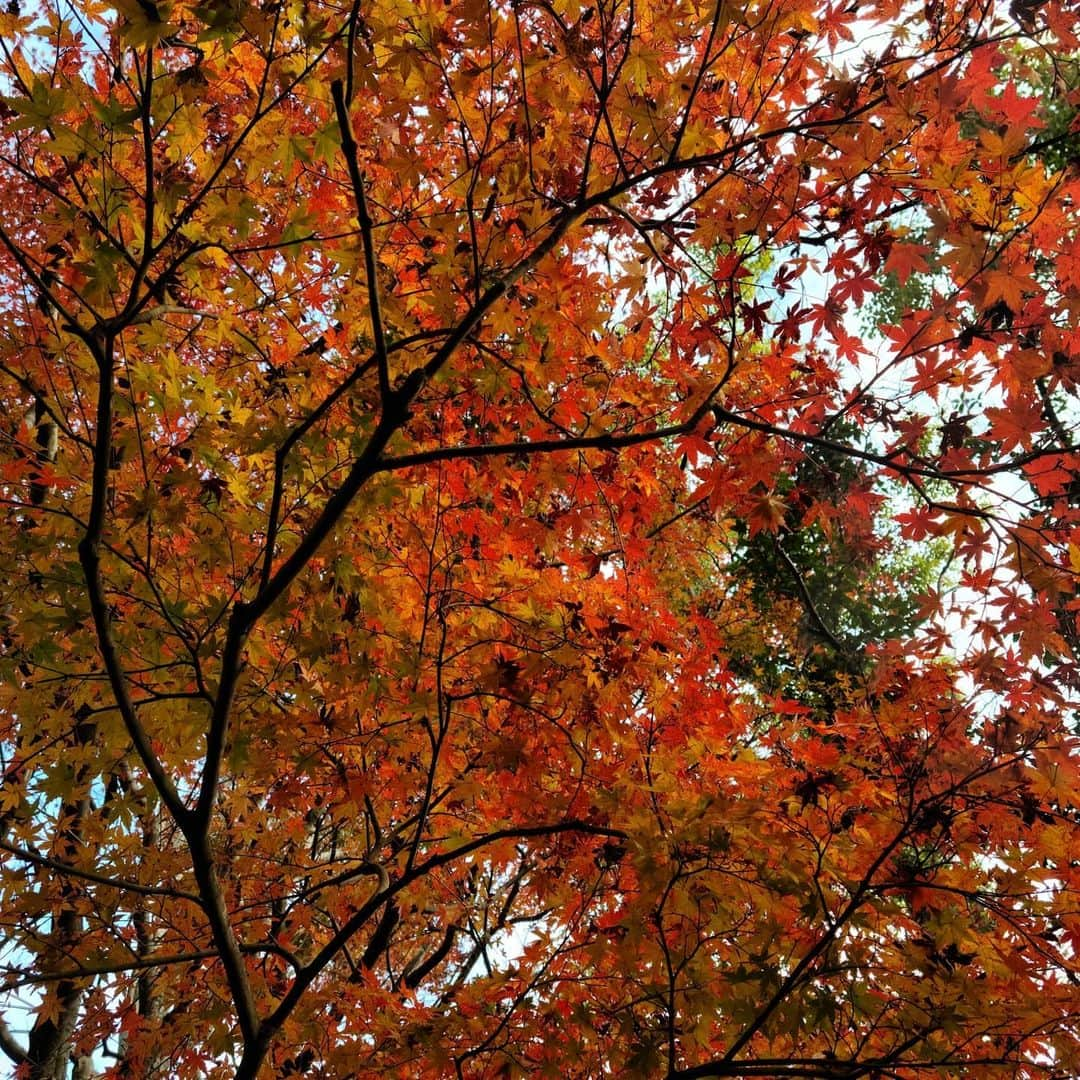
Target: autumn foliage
480, 598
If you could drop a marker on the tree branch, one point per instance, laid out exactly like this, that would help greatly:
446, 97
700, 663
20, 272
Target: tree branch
349, 149
255, 1050
89, 557
120, 884
10, 1046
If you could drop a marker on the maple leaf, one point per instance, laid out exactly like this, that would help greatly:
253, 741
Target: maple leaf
1004, 286
905, 259
766, 513
1015, 425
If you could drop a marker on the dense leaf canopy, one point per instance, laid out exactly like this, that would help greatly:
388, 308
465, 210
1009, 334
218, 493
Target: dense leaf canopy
479, 597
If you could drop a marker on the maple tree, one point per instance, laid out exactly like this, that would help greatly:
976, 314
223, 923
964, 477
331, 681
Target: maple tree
474, 603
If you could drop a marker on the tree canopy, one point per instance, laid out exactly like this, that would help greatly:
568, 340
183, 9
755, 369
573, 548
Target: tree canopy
479, 597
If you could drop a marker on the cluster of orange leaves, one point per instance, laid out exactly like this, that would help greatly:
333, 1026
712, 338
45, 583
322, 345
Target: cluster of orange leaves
378, 680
